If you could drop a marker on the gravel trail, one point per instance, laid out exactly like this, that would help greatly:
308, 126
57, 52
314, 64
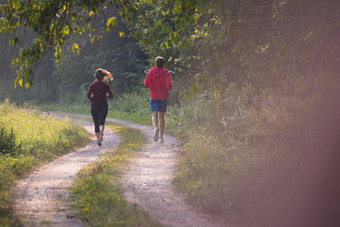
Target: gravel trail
148, 180
42, 196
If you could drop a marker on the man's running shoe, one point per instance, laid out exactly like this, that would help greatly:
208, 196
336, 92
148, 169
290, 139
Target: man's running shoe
155, 134
161, 140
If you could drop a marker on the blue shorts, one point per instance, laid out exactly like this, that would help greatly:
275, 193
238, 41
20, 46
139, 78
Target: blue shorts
158, 105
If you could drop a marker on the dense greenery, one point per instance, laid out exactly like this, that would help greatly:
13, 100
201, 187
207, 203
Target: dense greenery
98, 191
51, 22
245, 36
250, 76
28, 139
66, 80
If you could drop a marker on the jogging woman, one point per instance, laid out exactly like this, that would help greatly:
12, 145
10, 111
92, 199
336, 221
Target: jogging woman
98, 93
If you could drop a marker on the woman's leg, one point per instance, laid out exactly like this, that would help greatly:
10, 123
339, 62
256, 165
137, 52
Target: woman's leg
95, 117
102, 117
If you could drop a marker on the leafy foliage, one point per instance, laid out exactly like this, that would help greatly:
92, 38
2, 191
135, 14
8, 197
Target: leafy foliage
52, 22
204, 36
66, 81
254, 42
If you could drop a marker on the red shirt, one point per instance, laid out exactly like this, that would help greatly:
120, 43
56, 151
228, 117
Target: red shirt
158, 80
98, 92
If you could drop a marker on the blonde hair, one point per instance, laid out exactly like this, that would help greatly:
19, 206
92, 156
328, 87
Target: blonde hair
102, 74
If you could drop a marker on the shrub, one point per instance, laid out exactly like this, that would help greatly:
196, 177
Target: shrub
8, 143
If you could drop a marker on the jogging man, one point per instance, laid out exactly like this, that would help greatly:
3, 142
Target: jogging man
158, 80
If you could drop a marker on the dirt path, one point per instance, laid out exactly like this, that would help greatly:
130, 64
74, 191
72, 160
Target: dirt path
148, 183
43, 196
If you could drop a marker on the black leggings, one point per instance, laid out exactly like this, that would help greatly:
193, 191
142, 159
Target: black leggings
99, 113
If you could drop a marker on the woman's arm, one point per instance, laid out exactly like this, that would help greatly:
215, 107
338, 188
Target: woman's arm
89, 93
109, 93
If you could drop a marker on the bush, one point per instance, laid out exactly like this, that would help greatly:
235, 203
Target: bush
8, 143
135, 103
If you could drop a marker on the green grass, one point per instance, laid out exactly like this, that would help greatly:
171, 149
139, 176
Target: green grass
142, 118
38, 138
131, 107
98, 191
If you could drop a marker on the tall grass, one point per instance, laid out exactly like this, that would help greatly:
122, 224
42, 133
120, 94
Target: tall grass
36, 139
239, 150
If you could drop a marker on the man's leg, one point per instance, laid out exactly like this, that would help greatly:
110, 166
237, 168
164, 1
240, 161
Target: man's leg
154, 124
161, 123
154, 119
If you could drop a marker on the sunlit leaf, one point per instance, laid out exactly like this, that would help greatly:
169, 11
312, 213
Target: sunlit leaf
90, 13
75, 48
121, 34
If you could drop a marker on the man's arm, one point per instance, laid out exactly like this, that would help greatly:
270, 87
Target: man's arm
168, 81
146, 84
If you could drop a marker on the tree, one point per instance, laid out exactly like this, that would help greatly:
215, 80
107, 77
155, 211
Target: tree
53, 82
202, 35
52, 22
